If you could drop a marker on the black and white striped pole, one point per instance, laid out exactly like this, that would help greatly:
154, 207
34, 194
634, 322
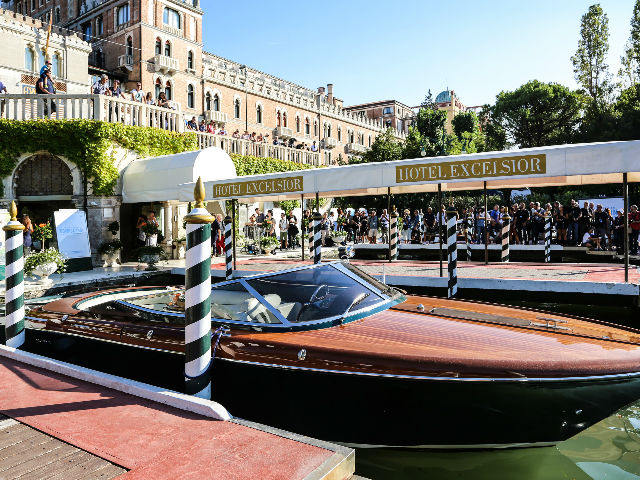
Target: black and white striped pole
317, 240
547, 238
393, 235
197, 332
468, 236
14, 280
228, 248
452, 253
504, 255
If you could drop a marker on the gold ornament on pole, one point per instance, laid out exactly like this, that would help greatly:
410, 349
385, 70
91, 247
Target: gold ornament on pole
199, 214
13, 224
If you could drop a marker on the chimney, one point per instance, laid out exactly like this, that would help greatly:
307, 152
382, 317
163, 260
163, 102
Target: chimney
330, 93
320, 90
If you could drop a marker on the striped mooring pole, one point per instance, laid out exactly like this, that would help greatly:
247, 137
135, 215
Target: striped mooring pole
504, 256
547, 238
317, 241
228, 248
310, 236
468, 236
197, 332
452, 253
14, 281
393, 235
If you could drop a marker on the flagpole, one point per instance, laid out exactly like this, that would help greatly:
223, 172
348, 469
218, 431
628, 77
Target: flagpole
46, 48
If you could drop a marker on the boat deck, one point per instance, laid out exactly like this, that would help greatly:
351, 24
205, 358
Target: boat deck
81, 426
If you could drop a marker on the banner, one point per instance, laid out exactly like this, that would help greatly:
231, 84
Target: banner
257, 187
72, 233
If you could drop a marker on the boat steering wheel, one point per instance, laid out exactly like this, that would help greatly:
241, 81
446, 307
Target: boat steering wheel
318, 294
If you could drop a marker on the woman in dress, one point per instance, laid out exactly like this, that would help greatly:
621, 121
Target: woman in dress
561, 221
28, 230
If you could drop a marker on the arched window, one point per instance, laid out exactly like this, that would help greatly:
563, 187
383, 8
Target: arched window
40, 58
190, 100
167, 49
297, 124
216, 103
158, 87
55, 65
369, 141
259, 114
315, 128
307, 127
207, 101
278, 120
99, 23
158, 46
350, 136
190, 60
129, 46
122, 14
28, 59
171, 18
167, 90
19, 8
284, 119
339, 134
236, 108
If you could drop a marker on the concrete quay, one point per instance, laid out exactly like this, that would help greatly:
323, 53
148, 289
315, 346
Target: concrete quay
63, 421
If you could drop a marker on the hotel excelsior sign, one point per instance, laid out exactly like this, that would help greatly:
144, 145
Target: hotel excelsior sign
257, 187
478, 168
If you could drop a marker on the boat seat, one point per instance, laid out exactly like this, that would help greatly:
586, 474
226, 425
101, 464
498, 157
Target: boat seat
226, 297
290, 310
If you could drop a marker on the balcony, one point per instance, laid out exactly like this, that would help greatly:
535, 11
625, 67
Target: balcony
172, 30
125, 61
166, 64
217, 117
330, 142
356, 148
283, 132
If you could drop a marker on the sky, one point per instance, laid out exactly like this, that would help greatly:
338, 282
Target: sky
380, 50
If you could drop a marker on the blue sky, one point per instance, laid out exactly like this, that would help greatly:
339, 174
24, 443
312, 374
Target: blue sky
378, 50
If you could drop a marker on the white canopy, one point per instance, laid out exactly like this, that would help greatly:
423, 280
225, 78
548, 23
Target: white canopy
158, 178
580, 164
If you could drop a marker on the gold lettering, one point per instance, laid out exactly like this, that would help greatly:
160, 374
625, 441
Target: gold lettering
276, 185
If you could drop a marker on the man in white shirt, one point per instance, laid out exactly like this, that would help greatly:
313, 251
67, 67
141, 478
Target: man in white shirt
137, 94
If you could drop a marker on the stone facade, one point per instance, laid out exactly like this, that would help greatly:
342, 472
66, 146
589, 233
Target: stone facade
22, 55
389, 113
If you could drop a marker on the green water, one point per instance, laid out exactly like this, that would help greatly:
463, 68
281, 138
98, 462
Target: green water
609, 450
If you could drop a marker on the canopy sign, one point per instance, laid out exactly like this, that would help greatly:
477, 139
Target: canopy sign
256, 187
482, 167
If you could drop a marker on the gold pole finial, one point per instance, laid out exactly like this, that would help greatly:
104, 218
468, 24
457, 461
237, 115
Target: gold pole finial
13, 211
199, 193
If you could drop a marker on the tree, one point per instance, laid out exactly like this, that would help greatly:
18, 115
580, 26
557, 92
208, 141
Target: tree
465, 122
630, 70
413, 144
537, 114
384, 149
628, 109
589, 63
495, 136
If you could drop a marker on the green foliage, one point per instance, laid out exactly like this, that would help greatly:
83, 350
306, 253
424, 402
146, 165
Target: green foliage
630, 61
250, 165
495, 136
412, 144
151, 229
431, 125
628, 109
150, 251
311, 203
108, 248
269, 243
46, 255
384, 149
114, 227
465, 122
589, 63
289, 205
87, 144
42, 231
538, 114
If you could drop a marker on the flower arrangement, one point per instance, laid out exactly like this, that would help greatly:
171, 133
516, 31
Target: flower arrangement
46, 255
108, 248
269, 243
151, 251
337, 233
42, 231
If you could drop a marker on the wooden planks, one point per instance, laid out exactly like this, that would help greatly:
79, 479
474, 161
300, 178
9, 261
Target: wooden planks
28, 454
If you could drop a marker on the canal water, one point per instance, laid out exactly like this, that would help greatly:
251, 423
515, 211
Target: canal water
609, 450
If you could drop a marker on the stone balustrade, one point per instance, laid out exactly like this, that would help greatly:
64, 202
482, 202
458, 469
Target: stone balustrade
89, 107
166, 64
256, 149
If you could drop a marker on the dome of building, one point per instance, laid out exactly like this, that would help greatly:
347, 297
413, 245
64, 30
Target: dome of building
444, 97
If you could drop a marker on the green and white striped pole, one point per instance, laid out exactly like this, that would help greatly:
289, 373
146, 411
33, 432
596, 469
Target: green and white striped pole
317, 240
393, 235
197, 331
14, 281
452, 253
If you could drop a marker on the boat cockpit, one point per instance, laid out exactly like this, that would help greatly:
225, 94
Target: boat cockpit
302, 298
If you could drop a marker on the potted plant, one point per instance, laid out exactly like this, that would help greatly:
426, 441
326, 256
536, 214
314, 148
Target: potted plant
44, 263
338, 236
151, 230
180, 244
110, 251
41, 233
114, 227
268, 244
151, 255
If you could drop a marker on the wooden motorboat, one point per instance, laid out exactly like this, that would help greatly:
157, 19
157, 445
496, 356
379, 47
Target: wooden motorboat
330, 352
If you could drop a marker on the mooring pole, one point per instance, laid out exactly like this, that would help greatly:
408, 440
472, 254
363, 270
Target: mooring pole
486, 227
504, 255
14, 292
233, 230
302, 232
625, 194
197, 332
452, 252
228, 247
440, 220
393, 235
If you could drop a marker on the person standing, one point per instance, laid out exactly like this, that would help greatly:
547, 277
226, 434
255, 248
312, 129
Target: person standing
141, 237
292, 229
284, 231
44, 86
325, 228
101, 86
216, 228
618, 231
219, 238
137, 94
28, 230
575, 214
3, 91
634, 226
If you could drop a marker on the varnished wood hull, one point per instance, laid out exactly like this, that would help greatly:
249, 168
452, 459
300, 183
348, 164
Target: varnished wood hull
374, 410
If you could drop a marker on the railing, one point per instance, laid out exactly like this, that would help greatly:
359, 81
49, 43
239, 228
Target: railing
247, 147
356, 148
330, 142
89, 107
125, 61
283, 132
219, 117
166, 63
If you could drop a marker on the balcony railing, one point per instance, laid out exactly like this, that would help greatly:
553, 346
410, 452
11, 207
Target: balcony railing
172, 30
356, 148
125, 61
89, 107
330, 142
218, 117
247, 147
166, 64
283, 132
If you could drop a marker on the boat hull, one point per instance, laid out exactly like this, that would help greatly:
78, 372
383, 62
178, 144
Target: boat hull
370, 410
